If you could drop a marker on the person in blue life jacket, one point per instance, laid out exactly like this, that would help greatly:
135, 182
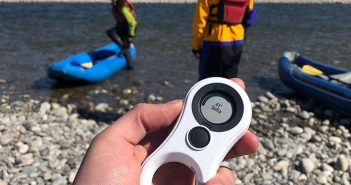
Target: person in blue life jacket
124, 31
218, 35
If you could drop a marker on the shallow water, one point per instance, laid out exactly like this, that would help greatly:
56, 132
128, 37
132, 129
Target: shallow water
35, 35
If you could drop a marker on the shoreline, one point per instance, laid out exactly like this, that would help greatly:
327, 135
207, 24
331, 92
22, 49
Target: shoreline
179, 1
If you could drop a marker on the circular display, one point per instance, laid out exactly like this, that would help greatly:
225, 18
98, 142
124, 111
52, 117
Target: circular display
216, 108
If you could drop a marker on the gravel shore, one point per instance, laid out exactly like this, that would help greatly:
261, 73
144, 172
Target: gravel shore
179, 1
301, 142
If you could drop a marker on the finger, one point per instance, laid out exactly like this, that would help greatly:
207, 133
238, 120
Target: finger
143, 119
239, 82
248, 144
224, 176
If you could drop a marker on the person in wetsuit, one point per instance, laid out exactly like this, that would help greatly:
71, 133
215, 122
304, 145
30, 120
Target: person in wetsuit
218, 35
124, 31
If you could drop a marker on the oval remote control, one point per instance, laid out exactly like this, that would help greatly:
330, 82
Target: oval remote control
216, 114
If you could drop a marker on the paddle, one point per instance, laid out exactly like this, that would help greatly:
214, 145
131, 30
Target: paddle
342, 78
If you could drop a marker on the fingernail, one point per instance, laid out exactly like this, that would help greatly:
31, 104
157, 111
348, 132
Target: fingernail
174, 102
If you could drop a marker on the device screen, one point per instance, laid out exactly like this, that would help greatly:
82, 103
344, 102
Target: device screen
216, 107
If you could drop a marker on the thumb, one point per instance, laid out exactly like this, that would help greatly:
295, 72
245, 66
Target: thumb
143, 119
224, 176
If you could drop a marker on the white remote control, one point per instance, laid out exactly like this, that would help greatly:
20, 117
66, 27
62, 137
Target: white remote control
216, 114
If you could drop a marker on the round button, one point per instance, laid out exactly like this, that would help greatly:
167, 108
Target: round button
199, 137
216, 108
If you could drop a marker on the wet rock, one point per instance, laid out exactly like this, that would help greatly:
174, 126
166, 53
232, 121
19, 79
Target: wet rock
168, 84
102, 107
123, 102
127, 91
151, 98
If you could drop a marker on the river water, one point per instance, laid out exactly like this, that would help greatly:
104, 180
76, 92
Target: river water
33, 36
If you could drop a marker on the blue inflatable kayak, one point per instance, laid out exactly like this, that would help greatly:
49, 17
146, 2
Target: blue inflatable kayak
334, 94
92, 66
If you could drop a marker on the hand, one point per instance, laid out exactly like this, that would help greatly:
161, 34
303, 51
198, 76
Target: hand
130, 39
196, 53
115, 156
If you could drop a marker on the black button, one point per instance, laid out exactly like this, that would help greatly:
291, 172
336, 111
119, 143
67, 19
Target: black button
199, 137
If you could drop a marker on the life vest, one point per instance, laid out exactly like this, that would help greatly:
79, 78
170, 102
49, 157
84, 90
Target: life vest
229, 12
118, 15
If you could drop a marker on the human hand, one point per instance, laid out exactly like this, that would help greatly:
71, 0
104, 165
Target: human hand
115, 156
196, 53
130, 39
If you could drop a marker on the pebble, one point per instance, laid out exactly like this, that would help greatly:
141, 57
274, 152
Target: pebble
307, 165
5, 139
335, 140
102, 107
342, 163
296, 130
71, 176
127, 91
22, 148
322, 179
281, 165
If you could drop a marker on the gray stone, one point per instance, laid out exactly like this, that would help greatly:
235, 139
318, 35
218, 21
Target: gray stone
22, 148
123, 102
263, 99
327, 167
296, 130
44, 108
71, 176
304, 115
60, 112
308, 165
322, 179
342, 163
5, 139
281, 165
151, 98
127, 91
60, 181
248, 178
102, 107
267, 143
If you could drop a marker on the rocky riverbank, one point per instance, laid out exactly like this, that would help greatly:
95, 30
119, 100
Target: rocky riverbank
301, 141
44, 142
